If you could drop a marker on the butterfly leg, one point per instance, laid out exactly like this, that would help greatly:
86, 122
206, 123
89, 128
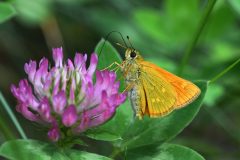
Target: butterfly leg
114, 63
129, 87
116, 69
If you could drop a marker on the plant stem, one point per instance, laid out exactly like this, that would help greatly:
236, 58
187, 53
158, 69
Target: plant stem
224, 71
196, 36
12, 116
8, 135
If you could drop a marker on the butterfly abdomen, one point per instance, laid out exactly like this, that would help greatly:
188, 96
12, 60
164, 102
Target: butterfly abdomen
135, 98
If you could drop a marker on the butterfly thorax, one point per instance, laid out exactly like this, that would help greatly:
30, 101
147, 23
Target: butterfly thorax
130, 66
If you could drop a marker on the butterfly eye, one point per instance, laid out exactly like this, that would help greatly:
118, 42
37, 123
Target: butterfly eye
133, 54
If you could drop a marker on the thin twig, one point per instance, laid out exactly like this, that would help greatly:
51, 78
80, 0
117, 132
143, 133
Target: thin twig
196, 36
224, 71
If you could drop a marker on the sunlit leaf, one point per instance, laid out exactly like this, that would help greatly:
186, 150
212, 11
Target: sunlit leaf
26, 150
158, 130
108, 54
135, 133
6, 11
83, 155
37, 150
235, 5
216, 27
33, 12
163, 152
114, 128
166, 26
214, 92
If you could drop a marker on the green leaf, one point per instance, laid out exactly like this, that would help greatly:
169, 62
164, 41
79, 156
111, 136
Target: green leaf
102, 134
217, 29
176, 14
142, 132
153, 24
33, 12
108, 54
6, 11
214, 92
59, 156
165, 27
26, 150
235, 5
114, 128
117, 126
223, 52
163, 152
83, 155
149, 131
32, 149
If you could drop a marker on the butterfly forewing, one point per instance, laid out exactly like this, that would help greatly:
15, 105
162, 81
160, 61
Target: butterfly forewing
160, 96
186, 91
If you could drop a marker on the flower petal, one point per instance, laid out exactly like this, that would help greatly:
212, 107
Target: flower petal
58, 56
79, 61
69, 116
24, 94
93, 64
45, 110
70, 64
23, 109
67, 91
54, 133
30, 69
59, 102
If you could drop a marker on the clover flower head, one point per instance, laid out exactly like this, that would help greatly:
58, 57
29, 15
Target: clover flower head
65, 96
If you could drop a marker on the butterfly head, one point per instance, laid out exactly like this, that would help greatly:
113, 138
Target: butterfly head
132, 54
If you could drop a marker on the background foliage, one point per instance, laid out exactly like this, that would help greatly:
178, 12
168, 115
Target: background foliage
160, 30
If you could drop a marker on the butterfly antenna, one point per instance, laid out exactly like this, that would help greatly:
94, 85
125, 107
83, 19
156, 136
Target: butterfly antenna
119, 44
130, 42
106, 38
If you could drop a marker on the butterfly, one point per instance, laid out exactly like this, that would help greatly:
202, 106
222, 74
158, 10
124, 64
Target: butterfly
152, 90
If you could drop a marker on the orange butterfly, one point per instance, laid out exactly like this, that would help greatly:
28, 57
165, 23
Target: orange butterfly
152, 90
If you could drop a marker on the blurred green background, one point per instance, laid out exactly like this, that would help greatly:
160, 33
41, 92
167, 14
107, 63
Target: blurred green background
160, 29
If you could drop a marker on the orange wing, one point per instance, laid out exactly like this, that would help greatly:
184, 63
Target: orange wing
157, 96
186, 91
